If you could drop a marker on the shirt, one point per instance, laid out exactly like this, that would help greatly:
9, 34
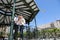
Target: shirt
15, 19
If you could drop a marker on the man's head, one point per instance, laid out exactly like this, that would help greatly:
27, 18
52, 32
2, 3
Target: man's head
20, 17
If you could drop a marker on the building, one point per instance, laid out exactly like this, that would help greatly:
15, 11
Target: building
55, 24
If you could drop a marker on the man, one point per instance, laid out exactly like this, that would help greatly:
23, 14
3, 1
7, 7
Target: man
15, 27
20, 21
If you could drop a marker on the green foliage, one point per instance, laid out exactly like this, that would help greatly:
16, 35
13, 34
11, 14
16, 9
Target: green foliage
53, 32
25, 34
18, 34
1, 34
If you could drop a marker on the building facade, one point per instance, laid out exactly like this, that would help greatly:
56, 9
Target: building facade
55, 24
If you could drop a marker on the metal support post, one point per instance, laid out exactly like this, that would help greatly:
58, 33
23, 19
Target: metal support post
12, 22
28, 30
35, 22
36, 27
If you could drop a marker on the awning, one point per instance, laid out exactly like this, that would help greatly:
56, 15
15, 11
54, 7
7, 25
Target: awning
27, 8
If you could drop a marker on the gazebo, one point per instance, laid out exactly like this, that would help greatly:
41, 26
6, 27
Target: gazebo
10, 8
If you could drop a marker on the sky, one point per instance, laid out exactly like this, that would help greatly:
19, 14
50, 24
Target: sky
49, 12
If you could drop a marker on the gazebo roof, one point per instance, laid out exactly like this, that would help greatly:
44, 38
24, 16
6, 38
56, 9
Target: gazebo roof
26, 8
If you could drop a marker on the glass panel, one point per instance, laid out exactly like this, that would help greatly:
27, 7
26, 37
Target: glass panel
1, 12
8, 1
27, 12
20, 7
20, 3
4, 9
1, 20
7, 19
4, 1
35, 9
0, 1
26, 8
28, 1
8, 13
18, 0
33, 6
1, 7
1, 17
10, 18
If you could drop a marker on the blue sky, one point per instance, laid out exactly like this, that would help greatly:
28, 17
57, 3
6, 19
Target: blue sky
49, 11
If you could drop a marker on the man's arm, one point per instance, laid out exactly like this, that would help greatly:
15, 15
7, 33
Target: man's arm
16, 19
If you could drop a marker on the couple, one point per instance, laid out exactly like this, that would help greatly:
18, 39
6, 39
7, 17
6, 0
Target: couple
19, 22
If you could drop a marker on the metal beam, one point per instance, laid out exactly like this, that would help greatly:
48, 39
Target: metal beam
16, 2
3, 2
32, 16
